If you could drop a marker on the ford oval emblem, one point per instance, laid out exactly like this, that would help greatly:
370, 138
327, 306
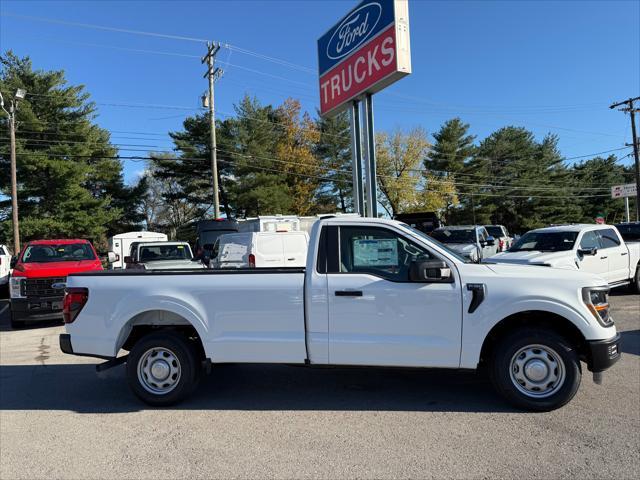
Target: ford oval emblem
354, 30
58, 286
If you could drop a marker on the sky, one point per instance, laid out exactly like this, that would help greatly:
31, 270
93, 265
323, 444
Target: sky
548, 66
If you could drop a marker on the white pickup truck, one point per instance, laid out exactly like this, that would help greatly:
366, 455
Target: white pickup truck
598, 249
374, 292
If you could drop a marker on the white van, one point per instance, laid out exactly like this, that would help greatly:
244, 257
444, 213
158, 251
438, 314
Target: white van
120, 245
260, 250
269, 223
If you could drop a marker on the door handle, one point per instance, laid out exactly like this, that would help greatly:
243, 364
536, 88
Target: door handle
291, 259
602, 258
624, 253
348, 293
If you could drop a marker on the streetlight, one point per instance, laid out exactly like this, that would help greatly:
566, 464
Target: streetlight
20, 94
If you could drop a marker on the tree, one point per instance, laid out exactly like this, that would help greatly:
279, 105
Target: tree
334, 152
70, 182
596, 176
447, 158
400, 179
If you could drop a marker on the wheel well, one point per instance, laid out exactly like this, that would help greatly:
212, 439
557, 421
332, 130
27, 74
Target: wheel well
533, 318
159, 321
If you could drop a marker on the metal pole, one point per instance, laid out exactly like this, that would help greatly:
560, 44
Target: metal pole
626, 208
370, 151
14, 182
356, 159
632, 113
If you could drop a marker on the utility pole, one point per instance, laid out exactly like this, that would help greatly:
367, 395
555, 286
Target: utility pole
632, 113
214, 74
20, 94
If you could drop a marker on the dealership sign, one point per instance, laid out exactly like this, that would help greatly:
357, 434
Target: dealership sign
364, 52
621, 191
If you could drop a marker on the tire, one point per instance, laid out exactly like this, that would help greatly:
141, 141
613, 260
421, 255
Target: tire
535, 369
634, 285
173, 359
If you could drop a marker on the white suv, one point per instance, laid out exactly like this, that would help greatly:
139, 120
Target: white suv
5, 264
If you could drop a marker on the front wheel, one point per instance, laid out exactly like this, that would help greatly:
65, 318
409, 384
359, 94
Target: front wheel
535, 369
162, 368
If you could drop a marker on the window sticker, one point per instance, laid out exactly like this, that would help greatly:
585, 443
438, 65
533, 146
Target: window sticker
381, 252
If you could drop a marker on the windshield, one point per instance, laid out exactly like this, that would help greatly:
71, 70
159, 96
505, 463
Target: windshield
429, 239
545, 242
69, 252
154, 253
466, 235
494, 231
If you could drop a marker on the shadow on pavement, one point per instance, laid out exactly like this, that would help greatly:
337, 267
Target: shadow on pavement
630, 342
254, 387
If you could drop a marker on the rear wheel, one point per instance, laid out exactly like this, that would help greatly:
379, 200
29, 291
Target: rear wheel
163, 368
535, 369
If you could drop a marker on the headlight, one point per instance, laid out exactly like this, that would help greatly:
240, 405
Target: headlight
15, 287
597, 301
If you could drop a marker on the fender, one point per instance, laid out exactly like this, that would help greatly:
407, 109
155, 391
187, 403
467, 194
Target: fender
128, 308
478, 325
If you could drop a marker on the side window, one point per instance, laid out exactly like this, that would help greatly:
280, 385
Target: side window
609, 238
216, 249
482, 235
590, 240
378, 251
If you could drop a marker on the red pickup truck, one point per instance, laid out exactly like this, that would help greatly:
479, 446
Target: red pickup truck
39, 277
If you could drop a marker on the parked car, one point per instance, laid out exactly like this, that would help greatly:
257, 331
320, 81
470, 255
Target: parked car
260, 249
161, 256
5, 264
374, 292
501, 235
630, 231
598, 249
470, 241
39, 276
120, 245
426, 222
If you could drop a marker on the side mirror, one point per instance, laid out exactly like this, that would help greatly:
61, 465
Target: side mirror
206, 260
13, 261
587, 251
491, 241
129, 259
112, 257
432, 271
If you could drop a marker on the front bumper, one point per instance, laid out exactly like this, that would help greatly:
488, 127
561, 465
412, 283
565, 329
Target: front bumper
602, 354
37, 308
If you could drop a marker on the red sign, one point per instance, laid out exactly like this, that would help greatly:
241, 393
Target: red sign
359, 72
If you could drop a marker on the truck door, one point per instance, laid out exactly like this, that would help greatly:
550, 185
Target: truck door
376, 315
598, 263
617, 253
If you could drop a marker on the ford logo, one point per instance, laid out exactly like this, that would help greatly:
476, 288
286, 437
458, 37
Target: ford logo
58, 286
354, 30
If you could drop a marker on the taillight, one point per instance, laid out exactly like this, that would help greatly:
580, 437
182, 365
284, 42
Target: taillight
501, 243
252, 260
74, 300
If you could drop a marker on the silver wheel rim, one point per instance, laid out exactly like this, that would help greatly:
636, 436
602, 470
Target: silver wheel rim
537, 371
159, 370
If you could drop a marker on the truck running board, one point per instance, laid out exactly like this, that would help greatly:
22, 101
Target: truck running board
101, 367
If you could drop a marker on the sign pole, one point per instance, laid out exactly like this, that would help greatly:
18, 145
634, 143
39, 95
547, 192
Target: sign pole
370, 151
626, 208
356, 159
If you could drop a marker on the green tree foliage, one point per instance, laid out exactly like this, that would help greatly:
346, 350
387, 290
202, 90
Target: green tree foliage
334, 153
69, 184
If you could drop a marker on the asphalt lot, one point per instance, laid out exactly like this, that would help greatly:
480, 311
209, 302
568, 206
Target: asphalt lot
59, 419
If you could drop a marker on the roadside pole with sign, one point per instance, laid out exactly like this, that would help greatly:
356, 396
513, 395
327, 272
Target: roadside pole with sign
366, 51
624, 191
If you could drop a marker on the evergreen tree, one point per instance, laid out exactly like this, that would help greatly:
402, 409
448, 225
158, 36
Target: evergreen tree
69, 182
